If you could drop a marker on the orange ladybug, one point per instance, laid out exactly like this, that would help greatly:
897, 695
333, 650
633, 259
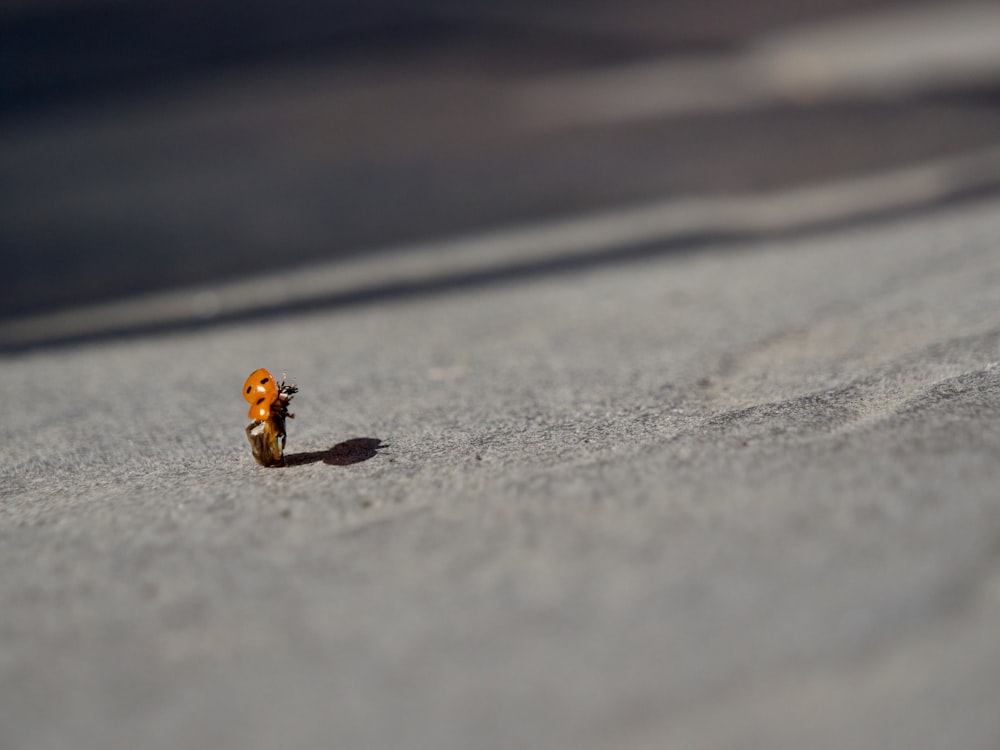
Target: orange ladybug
260, 390
268, 410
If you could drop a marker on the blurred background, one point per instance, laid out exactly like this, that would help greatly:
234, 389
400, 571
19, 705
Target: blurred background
157, 146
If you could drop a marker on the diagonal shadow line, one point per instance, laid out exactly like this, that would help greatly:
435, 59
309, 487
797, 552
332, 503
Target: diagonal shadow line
678, 245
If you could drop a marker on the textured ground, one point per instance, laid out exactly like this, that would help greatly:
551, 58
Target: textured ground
746, 498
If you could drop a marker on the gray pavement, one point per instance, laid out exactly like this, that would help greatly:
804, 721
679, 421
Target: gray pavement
649, 359
744, 498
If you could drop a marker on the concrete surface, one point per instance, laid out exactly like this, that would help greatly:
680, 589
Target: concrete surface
744, 498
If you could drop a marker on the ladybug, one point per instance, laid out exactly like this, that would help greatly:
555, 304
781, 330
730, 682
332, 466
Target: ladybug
268, 409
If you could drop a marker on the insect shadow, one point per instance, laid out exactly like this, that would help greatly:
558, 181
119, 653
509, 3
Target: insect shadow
352, 451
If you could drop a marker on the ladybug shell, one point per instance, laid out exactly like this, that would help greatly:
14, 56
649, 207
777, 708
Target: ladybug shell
260, 391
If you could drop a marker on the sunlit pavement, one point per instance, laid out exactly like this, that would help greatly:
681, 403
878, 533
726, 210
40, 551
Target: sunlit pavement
708, 468
739, 498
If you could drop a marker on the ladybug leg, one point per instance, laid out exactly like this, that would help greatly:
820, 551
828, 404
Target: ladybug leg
279, 429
